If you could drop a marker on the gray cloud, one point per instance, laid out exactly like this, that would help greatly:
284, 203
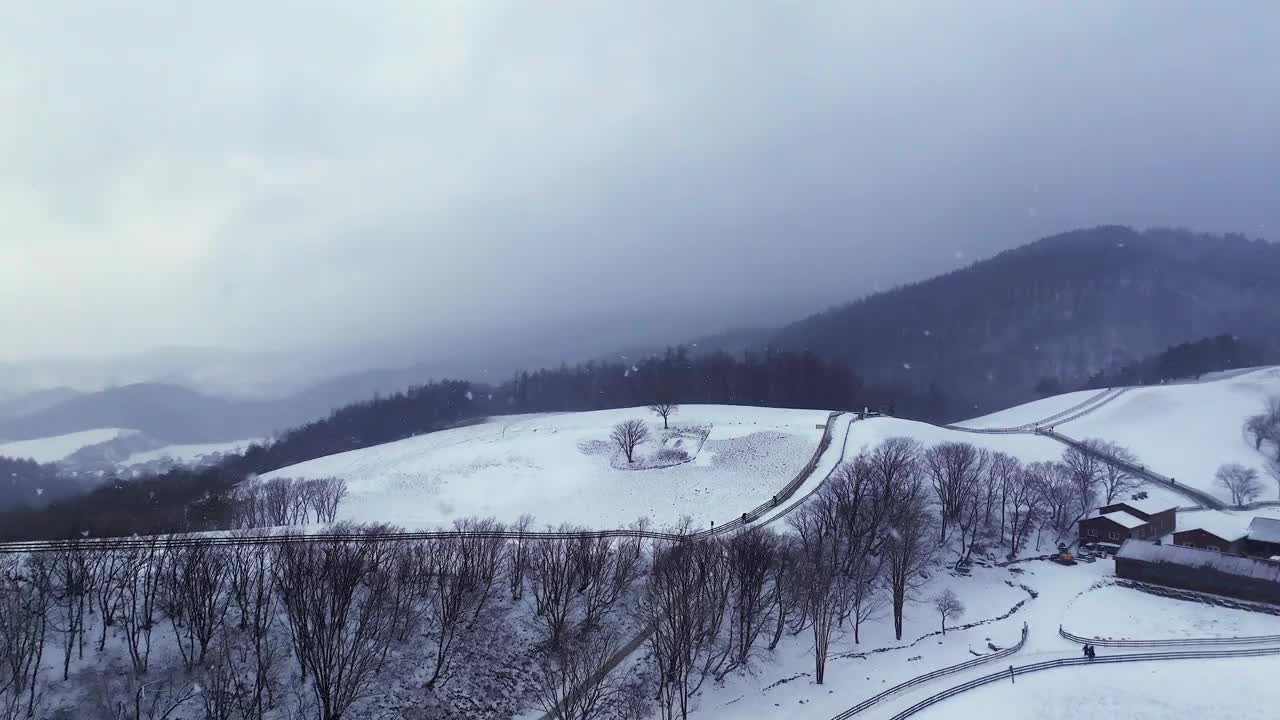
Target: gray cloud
291, 174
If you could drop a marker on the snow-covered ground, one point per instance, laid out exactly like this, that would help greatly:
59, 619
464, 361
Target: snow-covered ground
53, 449
1026, 447
1119, 613
781, 684
562, 468
1187, 431
1237, 688
1031, 412
186, 454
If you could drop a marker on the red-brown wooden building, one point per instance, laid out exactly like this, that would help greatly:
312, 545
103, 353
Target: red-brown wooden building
1115, 523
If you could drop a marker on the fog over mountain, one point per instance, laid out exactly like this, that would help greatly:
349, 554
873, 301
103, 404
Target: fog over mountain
446, 183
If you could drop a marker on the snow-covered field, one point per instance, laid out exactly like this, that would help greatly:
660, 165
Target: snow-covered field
185, 454
1236, 688
1187, 431
1026, 447
1114, 612
53, 449
1030, 412
562, 468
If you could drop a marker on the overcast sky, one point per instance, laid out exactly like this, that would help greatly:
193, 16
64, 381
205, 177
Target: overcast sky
286, 174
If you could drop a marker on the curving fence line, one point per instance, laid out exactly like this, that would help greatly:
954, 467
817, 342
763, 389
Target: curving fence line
1172, 642
1201, 497
933, 676
1013, 672
1078, 410
280, 538
1114, 393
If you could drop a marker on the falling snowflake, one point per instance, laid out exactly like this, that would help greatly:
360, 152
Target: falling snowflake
959, 254
927, 333
39, 491
468, 394
906, 366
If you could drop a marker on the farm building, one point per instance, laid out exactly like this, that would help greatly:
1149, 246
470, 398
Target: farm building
1263, 537
1200, 570
1219, 540
1118, 522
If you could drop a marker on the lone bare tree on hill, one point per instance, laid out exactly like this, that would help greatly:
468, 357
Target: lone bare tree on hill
1117, 481
664, 410
948, 606
627, 435
1240, 481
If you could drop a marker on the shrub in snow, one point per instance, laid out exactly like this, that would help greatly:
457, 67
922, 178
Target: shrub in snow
671, 456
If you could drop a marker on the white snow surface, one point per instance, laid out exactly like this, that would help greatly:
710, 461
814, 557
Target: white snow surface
190, 453
1028, 448
1124, 519
1031, 412
1186, 431
561, 468
1237, 688
58, 447
1118, 613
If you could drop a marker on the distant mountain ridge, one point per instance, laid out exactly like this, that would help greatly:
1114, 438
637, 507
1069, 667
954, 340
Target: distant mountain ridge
1065, 307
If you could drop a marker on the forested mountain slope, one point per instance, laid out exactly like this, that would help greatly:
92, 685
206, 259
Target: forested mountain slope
1065, 307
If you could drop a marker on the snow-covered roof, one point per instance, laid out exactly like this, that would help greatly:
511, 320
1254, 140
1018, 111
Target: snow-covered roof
1125, 518
1192, 557
1150, 506
1264, 530
1226, 525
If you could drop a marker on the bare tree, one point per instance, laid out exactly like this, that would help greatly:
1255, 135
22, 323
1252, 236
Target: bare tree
1115, 480
334, 598
518, 556
25, 599
954, 468
553, 578
108, 566
131, 698
664, 410
196, 585
1002, 472
627, 435
1058, 492
277, 497
257, 650
140, 580
907, 552
1258, 428
574, 682
948, 606
71, 569
784, 580
684, 603
752, 554
1084, 470
324, 495
1025, 501
1240, 481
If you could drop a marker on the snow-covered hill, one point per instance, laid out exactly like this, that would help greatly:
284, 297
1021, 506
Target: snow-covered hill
1186, 431
562, 468
53, 449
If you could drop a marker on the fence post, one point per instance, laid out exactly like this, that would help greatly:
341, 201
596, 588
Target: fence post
1011, 680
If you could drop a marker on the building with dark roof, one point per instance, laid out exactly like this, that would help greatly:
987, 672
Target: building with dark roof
1262, 539
1200, 570
1118, 522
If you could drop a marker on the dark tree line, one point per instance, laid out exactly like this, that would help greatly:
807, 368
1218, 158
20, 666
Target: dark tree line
26, 483
1189, 360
